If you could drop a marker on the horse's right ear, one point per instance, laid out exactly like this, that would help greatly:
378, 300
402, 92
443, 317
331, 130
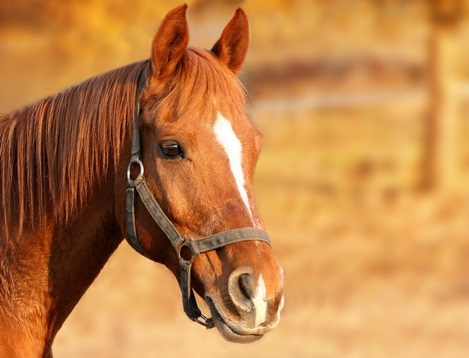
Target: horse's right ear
170, 43
232, 46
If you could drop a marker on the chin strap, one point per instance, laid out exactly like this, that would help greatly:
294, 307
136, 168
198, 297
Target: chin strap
186, 248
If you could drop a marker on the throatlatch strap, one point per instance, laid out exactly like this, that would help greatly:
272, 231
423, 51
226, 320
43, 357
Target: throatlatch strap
130, 217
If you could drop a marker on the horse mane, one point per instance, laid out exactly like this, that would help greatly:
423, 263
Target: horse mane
52, 152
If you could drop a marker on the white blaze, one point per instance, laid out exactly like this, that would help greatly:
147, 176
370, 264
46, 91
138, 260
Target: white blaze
260, 302
232, 146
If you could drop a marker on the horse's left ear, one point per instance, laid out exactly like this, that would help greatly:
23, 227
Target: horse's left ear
232, 46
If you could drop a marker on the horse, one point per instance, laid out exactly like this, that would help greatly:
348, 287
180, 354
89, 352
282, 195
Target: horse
160, 153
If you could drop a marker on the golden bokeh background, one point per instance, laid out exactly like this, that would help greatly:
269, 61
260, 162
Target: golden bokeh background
362, 183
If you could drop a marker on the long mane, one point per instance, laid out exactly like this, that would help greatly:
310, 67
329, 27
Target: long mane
54, 151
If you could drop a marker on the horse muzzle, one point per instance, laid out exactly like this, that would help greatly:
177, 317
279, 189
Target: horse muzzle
248, 312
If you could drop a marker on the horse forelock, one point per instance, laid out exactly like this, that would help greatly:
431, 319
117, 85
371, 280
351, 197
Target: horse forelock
52, 152
200, 87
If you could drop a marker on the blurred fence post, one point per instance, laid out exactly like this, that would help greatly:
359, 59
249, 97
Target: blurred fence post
441, 159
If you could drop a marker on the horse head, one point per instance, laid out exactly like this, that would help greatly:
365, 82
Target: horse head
199, 150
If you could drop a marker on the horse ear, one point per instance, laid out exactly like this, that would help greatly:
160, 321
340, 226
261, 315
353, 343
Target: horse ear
170, 42
232, 46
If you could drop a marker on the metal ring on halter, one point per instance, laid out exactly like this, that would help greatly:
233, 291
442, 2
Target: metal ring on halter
129, 168
183, 256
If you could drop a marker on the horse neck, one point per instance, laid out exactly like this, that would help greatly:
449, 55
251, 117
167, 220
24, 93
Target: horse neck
53, 267
46, 268
80, 250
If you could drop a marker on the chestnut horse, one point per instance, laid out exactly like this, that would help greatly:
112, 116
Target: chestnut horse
187, 202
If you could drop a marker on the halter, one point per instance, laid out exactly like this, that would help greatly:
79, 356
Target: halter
186, 248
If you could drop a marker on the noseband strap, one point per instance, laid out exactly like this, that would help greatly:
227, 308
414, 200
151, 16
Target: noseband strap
186, 248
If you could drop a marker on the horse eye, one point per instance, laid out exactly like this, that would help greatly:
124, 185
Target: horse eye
171, 149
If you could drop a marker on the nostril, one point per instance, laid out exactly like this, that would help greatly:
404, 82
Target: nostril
246, 285
241, 288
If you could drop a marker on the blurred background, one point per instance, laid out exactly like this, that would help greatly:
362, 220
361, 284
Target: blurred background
363, 181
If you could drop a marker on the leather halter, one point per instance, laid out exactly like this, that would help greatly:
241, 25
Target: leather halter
179, 242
